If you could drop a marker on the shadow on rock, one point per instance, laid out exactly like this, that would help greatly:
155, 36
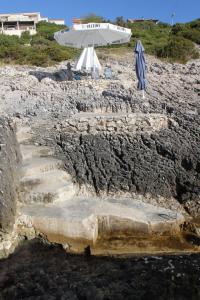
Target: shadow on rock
61, 75
37, 271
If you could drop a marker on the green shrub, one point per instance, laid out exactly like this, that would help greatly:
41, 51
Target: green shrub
3, 51
120, 21
25, 38
178, 49
47, 30
40, 41
195, 24
92, 18
152, 35
190, 31
10, 48
192, 34
37, 58
56, 53
42, 51
177, 28
7, 41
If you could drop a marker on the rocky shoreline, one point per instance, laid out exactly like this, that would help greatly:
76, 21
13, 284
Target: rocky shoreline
99, 145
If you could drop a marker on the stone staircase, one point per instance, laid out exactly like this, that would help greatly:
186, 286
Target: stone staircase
51, 205
42, 177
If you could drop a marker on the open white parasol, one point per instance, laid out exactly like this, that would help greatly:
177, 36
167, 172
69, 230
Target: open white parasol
89, 36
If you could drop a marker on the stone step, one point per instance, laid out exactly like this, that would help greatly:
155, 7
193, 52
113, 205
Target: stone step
50, 192
30, 151
38, 165
23, 134
90, 219
29, 182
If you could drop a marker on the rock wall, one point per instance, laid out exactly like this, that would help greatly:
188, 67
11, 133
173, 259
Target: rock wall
163, 163
93, 123
9, 158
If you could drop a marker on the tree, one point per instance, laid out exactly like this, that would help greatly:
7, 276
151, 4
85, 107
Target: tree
120, 22
92, 18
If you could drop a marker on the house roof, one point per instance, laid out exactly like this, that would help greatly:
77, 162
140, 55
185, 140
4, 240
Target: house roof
21, 13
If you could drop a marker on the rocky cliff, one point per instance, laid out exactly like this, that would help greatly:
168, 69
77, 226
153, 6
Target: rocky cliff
9, 180
108, 141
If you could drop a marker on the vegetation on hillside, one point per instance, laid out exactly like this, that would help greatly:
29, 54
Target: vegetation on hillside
177, 43
39, 50
165, 41
174, 43
92, 18
189, 30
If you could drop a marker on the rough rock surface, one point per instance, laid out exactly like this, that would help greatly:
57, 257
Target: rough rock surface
52, 205
9, 181
82, 222
24, 93
93, 123
36, 271
154, 160
162, 163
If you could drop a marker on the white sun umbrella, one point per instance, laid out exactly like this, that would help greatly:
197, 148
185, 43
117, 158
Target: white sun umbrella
89, 36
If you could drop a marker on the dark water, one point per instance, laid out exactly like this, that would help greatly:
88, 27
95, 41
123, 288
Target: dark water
38, 271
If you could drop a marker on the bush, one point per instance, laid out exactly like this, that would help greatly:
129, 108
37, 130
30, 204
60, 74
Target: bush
189, 30
192, 34
42, 51
10, 48
177, 28
178, 49
92, 18
56, 53
152, 35
7, 41
47, 30
120, 22
36, 58
25, 38
40, 41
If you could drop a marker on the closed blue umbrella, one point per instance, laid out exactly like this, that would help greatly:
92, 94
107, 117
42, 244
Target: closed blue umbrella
140, 67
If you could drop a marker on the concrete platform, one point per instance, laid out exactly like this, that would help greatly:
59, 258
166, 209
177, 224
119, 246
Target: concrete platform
85, 221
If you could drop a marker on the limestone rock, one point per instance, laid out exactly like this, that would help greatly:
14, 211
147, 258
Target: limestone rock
9, 179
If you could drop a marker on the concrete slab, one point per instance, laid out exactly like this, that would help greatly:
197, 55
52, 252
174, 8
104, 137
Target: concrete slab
91, 219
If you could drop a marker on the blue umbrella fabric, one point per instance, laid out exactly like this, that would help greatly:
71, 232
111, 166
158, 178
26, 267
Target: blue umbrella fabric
140, 66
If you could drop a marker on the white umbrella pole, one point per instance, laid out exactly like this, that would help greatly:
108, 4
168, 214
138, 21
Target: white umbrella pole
93, 57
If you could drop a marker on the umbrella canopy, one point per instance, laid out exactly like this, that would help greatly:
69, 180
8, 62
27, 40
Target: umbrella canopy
140, 66
89, 36
92, 35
